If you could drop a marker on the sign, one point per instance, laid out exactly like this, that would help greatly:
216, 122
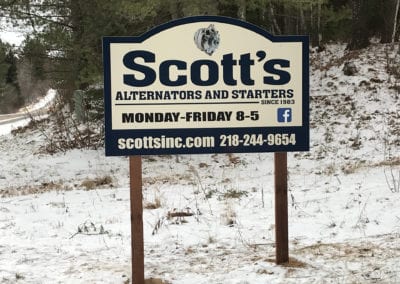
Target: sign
206, 85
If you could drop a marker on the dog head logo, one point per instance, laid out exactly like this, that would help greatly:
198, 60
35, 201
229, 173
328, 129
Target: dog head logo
207, 39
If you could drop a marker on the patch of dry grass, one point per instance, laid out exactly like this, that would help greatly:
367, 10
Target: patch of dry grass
292, 263
87, 184
97, 182
33, 189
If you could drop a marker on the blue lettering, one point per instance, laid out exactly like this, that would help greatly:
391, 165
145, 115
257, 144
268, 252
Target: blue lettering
227, 64
165, 74
149, 74
202, 72
195, 70
245, 63
284, 76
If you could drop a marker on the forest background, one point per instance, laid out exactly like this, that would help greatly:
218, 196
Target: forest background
62, 49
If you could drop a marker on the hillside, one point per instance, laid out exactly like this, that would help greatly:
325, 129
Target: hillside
64, 217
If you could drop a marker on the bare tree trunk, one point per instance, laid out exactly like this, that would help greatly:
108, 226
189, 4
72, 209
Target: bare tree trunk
274, 22
319, 23
302, 20
387, 14
242, 10
395, 21
313, 27
359, 31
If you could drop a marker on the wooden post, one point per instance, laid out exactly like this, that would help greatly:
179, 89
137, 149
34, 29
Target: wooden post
135, 172
281, 209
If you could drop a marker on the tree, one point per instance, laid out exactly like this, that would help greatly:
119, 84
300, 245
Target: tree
10, 96
396, 13
65, 46
388, 16
71, 31
32, 67
360, 33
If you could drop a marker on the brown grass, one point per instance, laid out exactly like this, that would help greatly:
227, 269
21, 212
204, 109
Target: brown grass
170, 179
154, 204
33, 189
352, 168
234, 160
155, 281
292, 263
88, 184
342, 249
97, 182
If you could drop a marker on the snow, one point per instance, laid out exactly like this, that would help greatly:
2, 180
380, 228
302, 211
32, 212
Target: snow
12, 37
7, 128
344, 213
12, 34
43, 102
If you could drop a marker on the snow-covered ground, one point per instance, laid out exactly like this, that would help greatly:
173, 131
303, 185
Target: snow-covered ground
64, 218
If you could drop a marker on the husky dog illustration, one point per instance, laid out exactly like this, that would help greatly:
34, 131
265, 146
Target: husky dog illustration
207, 39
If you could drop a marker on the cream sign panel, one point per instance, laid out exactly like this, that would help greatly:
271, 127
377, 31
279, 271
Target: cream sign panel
209, 79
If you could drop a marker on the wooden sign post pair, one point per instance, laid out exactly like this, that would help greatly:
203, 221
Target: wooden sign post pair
137, 240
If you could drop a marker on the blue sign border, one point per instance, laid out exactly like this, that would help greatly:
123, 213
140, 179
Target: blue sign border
111, 136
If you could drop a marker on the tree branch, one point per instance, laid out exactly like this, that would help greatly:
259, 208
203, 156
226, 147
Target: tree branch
30, 15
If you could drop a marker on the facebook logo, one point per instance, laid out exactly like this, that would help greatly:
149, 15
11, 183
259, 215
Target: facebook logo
284, 115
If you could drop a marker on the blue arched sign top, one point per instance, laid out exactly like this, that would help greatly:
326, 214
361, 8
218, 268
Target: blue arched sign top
206, 84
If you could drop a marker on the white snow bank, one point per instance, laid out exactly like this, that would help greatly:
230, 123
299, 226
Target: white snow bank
45, 101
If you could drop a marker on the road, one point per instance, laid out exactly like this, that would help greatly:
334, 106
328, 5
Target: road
36, 110
14, 117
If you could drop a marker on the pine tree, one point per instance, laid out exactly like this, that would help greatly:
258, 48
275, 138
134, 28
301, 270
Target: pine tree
72, 31
10, 95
